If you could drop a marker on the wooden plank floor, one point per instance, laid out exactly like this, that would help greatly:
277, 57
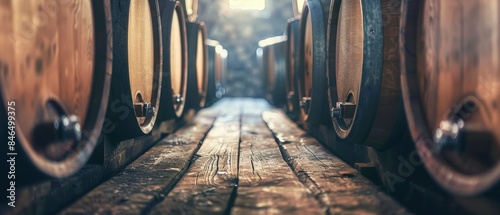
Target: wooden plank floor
238, 157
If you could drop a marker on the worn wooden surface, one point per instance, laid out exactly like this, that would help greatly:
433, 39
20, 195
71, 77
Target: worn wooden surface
144, 182
237, 157
49, 196
337, 185
266, 185
209, 183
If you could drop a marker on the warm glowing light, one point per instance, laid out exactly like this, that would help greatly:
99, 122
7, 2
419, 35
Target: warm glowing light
271, 40
259, 52
300, 5
224, 53
247, 4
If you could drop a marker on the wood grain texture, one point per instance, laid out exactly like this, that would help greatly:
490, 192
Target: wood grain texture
49, 196
145, 182
266, 184
336, 184
241, 166
452, 51
209, 184
50, 67
311, 80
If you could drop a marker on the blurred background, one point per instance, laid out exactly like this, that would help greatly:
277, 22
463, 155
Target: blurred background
239, 25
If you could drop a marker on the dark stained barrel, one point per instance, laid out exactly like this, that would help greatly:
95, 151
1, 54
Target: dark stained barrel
54, 80
214, 65
175, 57
292, 56
297, 6
450, 54
137, 68
363, 72
274, 56
190, 9
198, 64
312, 87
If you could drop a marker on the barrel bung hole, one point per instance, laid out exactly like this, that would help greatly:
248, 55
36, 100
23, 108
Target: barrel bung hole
5, 69
139, 100
48, 135
479, 151
345, 123
39, 66
138, 97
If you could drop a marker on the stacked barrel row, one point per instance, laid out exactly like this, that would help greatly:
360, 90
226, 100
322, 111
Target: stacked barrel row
375, 70
72, 71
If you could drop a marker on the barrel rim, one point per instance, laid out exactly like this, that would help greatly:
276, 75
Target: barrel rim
316, 110
203, 97
212, 54
182, 21
369, 92
169, 110
190, 17
296, 8
196, 31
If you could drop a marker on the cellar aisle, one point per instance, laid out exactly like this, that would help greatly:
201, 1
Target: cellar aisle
239, 156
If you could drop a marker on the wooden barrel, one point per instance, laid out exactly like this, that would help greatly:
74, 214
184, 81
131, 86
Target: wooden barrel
311, 75
363, 72
214, 49
54, 80
137, 66
292, 56
261, 56
450, 54
274, 55
190, 9
297, 6
267, 63
218, 72
221, 82
175, 58
197, 66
